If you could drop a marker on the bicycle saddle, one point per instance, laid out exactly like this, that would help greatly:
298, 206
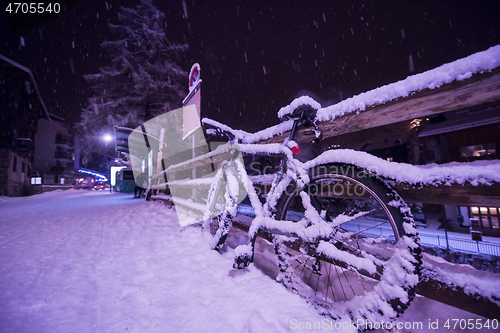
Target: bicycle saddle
305, 112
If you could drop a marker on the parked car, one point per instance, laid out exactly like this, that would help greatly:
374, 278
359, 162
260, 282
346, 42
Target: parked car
99, 185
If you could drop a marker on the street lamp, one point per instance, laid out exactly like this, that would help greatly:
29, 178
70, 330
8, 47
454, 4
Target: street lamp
107, 138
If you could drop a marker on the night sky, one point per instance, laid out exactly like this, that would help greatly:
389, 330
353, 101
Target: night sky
257, 56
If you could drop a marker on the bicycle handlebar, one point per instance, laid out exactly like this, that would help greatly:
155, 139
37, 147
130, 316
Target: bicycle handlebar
218, 131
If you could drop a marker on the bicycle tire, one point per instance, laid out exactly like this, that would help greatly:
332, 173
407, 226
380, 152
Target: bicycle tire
399, 260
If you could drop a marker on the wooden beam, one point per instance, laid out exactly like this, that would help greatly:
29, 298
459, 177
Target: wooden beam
456, 194
457, 298
479, 89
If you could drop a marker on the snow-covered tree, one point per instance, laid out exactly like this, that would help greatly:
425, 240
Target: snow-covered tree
142, 80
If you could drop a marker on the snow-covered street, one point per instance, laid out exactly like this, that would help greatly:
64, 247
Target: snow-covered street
91, 261
81, 261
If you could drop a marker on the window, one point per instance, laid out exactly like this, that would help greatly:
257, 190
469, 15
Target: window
14, 165
150, 166
36, 180
487, 216
62, 181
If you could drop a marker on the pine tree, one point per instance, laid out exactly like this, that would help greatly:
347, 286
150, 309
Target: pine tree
142, 81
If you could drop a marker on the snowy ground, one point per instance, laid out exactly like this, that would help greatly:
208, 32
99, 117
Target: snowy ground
86, 261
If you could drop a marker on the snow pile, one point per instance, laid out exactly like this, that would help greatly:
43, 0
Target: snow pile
472, 281
477, 172
107, 263
102, 262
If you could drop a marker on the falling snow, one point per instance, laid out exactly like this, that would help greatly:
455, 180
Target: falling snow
380, 43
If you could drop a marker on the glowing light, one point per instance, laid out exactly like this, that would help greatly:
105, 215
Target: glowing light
93, 173
415, 123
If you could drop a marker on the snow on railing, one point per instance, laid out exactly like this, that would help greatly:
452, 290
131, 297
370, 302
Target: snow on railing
459, 70
477, 172
465, 277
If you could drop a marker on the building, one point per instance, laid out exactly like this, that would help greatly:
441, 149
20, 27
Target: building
54, 154
21, 106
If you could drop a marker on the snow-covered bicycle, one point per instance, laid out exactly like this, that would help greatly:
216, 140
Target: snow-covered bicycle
344, 239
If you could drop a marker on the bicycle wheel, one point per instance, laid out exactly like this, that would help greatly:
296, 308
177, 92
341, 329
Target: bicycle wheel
364, 262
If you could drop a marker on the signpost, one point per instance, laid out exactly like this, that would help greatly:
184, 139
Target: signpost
192, 103
191, 115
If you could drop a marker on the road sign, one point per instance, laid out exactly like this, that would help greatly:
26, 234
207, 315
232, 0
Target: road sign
194, 76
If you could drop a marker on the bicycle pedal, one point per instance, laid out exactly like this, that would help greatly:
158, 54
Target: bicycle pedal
242, 261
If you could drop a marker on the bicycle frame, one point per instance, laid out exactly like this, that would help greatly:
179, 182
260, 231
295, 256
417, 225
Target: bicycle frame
319, 226
290, 170
223, 197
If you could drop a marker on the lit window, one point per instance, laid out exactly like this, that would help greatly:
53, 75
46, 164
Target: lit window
150, 166
62, 181
36, 180
487, 216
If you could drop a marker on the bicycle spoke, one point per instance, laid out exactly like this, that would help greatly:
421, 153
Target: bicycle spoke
329, 283
317, 282
305, 264
377, 225
341, 230
338, 277
347, 280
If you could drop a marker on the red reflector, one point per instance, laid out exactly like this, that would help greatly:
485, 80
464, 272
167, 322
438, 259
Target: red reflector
296, 150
